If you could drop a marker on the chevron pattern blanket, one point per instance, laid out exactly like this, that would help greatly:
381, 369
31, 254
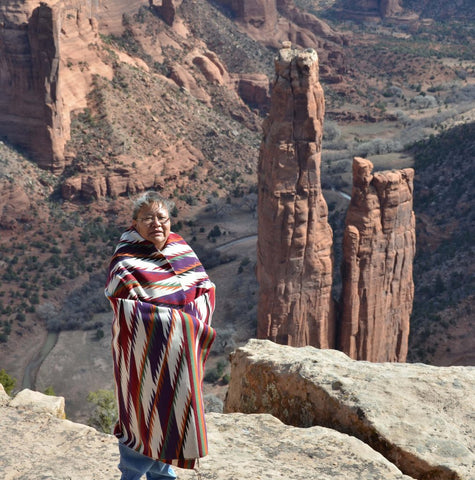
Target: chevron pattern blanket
163, 302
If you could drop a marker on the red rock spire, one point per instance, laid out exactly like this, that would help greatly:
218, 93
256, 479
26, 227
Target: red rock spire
378, 253
294, 264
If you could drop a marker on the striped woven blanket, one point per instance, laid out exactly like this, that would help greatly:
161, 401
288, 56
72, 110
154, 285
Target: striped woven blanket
163, 302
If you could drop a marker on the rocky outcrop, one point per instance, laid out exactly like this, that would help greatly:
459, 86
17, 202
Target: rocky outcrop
315, 30
378, 253
417, 416
253, 89
41, 445
294, 264
110, 14
260, 14
43, 46
48, 56
272, 22
269, 20
372, 9
185, 80
294, 239
126, 179
166, 9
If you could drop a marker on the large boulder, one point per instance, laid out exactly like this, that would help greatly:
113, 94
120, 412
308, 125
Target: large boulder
32, 401
418, 416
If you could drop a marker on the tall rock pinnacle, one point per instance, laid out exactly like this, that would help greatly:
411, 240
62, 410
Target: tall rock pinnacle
378, 252
294, 247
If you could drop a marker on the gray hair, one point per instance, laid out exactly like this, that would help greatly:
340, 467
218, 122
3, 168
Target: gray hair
148, 198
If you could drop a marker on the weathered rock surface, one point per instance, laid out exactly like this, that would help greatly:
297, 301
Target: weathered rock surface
253, 89
419, 417
39, 445
268, 20
167, 9
272, 22
110, 13
49, 54
37, 402
184, 79
126, 179
294, 264
378, 252
372, 9
43, 46
309, 27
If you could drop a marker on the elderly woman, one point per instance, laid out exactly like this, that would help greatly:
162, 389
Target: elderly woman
163, 301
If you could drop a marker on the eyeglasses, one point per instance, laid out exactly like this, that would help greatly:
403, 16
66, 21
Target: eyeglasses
149, 219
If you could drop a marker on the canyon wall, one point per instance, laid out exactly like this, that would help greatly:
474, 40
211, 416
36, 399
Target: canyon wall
49, 53
47, 59
371, 9
272, 22
378, 254
294, 264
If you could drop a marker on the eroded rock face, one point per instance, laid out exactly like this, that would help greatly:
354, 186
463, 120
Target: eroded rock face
294, 264
417, 416
378, 253
272, 22
367, 9
253, 88
29, 81
167, 9
184, 79
260, 14
43, 46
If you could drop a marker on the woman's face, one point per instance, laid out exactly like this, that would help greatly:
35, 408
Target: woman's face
153, 224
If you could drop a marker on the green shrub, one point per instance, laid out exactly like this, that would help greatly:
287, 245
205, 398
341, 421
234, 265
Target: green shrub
105, 413
7, 381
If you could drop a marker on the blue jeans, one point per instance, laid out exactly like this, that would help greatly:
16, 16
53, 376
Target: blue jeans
133, 465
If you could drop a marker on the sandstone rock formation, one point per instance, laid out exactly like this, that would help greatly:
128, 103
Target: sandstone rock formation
275, 21
184, 79
372, 9
419, 417
257, 14
294, 265
39, 445
110, 13
378, 253
43, 46
253, 88
48, 56
416, 416
167, 9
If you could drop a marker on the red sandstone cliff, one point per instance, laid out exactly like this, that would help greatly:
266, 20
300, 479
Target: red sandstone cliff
272, 22
43, 47
378, 253
49, 53
372, 9
294, 264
